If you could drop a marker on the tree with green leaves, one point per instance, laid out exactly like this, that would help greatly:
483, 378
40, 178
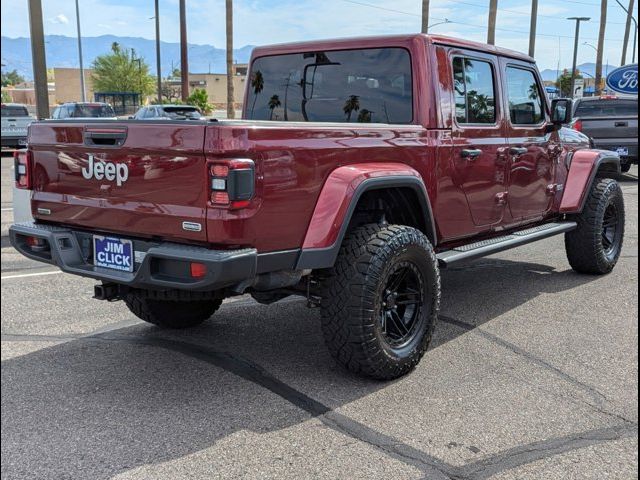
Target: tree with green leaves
6, 97
564, 82
11, 78
200, 99
121, 71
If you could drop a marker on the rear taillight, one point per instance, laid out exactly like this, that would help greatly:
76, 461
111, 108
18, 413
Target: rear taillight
577, 125
231, 183
22, 166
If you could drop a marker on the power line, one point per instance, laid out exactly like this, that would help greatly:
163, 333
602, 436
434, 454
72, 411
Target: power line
522, 32
507, 10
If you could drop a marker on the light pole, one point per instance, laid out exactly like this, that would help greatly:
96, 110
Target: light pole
575, 50
82, 88
635, 35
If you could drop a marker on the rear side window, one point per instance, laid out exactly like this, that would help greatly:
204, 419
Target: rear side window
182, 112
525, 98
355, 86
474, 91
14, 111
607, 108
92, 111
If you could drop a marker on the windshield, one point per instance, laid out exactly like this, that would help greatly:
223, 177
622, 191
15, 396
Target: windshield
93, 111
607, 108
14, 111
182, 112
356, 86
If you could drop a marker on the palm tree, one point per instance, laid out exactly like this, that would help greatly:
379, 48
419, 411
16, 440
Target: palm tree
603, 26
274, 102
257, 83
351, 105
231, 112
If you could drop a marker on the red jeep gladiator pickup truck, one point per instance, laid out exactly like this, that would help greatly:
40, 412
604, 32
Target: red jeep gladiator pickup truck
361, 168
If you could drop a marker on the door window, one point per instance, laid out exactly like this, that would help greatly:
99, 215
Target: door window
474, 91
525, 97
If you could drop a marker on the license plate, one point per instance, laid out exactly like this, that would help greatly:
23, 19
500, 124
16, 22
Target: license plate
622, 151
22, 143
114, 253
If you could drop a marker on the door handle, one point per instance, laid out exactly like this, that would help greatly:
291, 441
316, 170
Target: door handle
471, 153
622, 124
518, 150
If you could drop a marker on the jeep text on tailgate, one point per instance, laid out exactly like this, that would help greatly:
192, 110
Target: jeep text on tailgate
360, 169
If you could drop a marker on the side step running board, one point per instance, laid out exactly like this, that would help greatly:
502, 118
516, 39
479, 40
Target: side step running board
499, 244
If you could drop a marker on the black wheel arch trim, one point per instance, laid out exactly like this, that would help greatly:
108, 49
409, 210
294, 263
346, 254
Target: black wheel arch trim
314, 258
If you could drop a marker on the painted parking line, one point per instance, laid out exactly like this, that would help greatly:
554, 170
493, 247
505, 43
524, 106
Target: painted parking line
7, 209
23, 275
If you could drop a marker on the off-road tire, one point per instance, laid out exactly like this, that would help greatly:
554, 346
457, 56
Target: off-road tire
586, 249
353, 299
175, 314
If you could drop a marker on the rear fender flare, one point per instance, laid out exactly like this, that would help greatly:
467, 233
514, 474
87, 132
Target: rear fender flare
584, 169
338, 200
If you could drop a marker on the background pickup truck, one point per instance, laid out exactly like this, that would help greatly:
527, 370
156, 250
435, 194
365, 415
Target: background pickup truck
15, 121
360, 169
612, 123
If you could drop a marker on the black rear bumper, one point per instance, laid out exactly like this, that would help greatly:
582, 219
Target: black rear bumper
14, 142
157, 266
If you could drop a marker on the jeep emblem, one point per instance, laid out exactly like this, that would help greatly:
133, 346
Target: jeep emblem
109, 171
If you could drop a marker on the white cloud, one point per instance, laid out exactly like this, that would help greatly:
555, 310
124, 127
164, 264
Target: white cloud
60, 19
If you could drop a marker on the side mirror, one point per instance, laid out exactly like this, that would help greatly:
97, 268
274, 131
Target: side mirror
561, 111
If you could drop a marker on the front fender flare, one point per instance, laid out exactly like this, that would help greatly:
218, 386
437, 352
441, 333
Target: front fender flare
338, 200
585, 165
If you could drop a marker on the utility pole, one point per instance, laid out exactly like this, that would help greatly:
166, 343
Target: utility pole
425, 16
184, 49
493, 12
158, 66
627, 27
575, 51
600, 50
231, 112
38, 58
532, 28
82, 88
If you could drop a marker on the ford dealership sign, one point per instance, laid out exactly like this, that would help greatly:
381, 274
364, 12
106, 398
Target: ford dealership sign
624, 79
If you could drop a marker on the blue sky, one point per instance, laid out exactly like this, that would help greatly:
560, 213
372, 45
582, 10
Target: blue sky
259, 22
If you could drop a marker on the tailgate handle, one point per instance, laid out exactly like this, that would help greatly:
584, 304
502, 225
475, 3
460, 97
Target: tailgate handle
622, 124
105, 137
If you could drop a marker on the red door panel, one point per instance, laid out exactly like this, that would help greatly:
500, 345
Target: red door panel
530, 158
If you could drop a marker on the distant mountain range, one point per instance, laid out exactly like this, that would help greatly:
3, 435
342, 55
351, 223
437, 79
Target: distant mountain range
588, 69
63, 52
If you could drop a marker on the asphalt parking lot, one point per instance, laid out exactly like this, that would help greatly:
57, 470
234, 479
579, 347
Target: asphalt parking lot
532, 374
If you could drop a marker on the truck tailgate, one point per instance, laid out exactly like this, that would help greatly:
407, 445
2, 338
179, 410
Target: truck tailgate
612, 127
134, 178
